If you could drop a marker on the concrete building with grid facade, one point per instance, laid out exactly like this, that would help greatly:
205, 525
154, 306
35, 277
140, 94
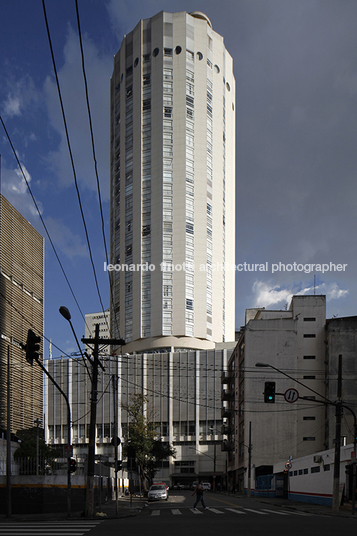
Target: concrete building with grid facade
21, 308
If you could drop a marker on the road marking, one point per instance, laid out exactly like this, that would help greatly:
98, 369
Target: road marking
216, 511
256, 511
235, 511
176, 512
301, 514
156, 512
226, 502
196, 511
275, 512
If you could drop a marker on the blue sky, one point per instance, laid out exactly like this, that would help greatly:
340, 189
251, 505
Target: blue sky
295, 63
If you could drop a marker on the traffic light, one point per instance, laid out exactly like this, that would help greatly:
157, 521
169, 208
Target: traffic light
72, 465
269, 392
119, 465
32, 346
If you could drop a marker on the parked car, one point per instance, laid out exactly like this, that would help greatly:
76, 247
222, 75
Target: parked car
157, 492
162, 484
206, 486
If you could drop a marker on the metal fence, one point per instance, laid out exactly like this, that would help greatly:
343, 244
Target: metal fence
41, 466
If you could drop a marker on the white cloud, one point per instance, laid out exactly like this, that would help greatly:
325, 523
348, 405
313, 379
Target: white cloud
267, 294
62, 236
20, 95
12, 106
14, 188
335, 293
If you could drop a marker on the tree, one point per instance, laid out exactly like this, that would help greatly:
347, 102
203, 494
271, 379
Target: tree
143, 439
27, 451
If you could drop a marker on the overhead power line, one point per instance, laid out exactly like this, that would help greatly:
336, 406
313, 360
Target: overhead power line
95, 163
41, 218
71, 157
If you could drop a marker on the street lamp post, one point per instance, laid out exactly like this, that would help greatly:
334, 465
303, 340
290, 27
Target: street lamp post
95, 364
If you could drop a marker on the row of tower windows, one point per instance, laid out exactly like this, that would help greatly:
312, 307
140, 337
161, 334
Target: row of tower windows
167, 53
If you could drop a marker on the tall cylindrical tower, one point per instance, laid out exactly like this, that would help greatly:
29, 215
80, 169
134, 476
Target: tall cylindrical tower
173, 185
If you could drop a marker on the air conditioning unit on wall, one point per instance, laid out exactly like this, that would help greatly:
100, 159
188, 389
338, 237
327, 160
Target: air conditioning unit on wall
317, 459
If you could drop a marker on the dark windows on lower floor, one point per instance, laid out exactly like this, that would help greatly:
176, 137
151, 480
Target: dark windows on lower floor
315, 469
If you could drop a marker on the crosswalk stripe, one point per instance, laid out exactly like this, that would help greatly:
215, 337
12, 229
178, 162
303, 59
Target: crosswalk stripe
300, 513
256, 511
275, 512
176, 512
235, 511
156, 512
196, 511
216, 511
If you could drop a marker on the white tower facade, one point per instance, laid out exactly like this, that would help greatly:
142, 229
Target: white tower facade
173, 186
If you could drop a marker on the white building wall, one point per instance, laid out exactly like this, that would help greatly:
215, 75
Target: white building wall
285, 429
311, 477
103, 319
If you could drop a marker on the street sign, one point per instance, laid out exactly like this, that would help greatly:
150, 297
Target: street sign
291, 395
288, 465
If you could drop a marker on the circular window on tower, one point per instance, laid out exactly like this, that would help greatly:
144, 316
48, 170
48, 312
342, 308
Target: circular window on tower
178, 49
155, 52
199, 55
217, 69
136, 62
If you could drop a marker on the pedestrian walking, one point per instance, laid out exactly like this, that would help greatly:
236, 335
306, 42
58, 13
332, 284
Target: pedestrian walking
199, 493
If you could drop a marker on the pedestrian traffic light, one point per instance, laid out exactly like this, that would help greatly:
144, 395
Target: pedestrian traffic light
32, 347
269, 392
72, 465
119, 465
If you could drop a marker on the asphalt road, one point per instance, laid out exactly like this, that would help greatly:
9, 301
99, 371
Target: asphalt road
176, 517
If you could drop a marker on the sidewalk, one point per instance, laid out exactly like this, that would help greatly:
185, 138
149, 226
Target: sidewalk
108, 510
127, 507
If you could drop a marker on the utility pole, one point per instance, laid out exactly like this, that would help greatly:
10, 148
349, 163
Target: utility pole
115, 402
89, 507
249, 458
89, 510
337, 441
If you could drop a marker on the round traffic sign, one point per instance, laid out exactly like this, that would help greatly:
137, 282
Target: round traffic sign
291, 395
288, 465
